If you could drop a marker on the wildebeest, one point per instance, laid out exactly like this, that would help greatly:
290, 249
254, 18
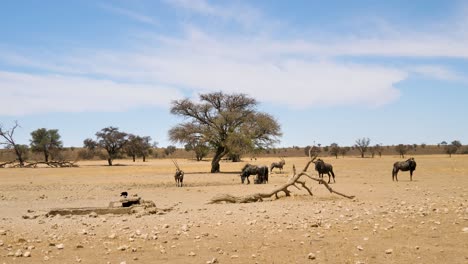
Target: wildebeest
179, 175
278, 165
261, 173
323, 168
407, 165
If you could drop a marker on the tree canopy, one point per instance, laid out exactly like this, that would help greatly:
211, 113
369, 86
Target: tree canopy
45, 141
110, 139
227, 123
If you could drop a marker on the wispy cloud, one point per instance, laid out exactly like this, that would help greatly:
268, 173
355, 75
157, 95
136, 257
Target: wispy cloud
130, 14
235, 11
32, 94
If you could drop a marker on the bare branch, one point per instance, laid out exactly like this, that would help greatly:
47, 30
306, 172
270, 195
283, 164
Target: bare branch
292, 181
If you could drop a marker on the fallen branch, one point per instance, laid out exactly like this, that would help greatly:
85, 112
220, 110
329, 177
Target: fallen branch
294, 180
2, 165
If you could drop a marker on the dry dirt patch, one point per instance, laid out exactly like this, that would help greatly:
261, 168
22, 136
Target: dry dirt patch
406, 222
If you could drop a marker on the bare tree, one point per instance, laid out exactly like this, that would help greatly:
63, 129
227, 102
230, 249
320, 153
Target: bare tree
361, 145
9, 143
221, 120
46, 141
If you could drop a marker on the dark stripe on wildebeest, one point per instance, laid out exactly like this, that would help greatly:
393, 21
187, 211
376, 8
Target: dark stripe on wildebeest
261, 173
407, 165
324, 168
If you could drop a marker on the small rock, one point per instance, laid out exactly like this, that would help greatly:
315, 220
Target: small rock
360, 248
465, 230
59, 246
19, 253
389, 251
311, 256
192, 254
93, 215
228, 212
27, 254
2, 232
234, 256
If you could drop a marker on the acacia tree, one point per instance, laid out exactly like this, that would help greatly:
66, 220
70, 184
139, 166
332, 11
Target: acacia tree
453, 147
379, 149
9, 142
402, 149
220, 120
138, 146
362, 144
45, 141
344, 150
110, 139
334, 149
200, 148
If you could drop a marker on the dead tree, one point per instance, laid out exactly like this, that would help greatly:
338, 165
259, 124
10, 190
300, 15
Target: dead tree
52, 164
179, 175
294, 180
20, 150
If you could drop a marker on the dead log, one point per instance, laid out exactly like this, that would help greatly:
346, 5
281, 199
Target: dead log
2, 165
51, 164
294, 181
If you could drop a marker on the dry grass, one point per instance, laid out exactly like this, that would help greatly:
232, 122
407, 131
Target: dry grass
421, 221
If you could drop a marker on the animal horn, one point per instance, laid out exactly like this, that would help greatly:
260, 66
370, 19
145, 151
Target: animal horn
175, 164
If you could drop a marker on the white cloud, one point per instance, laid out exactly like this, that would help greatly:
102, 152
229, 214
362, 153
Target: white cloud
437, 72
297, 72
31, 94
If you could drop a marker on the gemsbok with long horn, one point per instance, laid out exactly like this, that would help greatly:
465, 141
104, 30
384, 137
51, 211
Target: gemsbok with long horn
179, 174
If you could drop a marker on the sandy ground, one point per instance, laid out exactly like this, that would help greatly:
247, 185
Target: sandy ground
423, 221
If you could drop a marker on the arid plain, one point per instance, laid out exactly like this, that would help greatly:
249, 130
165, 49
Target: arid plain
423, 221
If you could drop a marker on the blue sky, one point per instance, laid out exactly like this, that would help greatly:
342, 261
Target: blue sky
329, 71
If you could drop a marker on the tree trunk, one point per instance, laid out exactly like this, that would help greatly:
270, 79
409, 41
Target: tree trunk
133, 156
19, 156
362, 154
109, 160
144, 158
220, 152
46, 156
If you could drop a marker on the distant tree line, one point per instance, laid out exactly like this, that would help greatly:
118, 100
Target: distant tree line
218, 124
